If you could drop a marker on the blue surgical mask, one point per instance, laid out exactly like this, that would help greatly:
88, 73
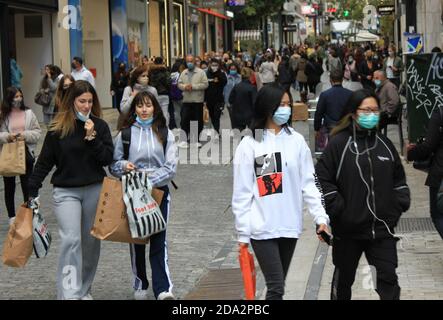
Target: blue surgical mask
377, 83
368, 121
82, 117
190, 65
233, 72
144, 123
281, 115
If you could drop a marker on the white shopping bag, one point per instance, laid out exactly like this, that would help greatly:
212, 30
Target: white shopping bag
144, 214
42, 236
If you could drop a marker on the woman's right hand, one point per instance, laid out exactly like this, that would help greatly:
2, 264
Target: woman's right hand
130, 166
242, 245
134, 93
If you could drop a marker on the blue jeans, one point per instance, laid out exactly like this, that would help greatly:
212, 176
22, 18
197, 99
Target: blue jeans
437, 217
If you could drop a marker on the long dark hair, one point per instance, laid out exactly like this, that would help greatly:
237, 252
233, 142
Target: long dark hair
6, 106
64, 122
351, 107
267, 102
159, 119
61, 92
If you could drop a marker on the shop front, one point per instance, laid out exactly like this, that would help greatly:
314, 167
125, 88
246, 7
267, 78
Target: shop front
26, 44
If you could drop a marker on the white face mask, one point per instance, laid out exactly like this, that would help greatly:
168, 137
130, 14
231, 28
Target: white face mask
17, 102
144, 81
214, 69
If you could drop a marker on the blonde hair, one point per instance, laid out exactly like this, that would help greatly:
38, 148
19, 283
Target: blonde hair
64, 122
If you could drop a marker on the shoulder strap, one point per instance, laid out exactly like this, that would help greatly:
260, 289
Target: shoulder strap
126, 140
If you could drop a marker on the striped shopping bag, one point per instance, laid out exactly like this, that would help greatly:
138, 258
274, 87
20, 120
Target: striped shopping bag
144, 214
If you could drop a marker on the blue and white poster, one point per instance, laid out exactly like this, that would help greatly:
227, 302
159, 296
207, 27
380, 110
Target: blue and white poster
119, 33
75, 28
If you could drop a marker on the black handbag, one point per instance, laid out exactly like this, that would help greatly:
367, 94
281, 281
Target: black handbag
43, 98
425, 165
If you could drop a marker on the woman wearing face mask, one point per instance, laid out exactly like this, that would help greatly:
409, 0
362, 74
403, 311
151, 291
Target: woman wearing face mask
214, 93
366, 70
365, 193
152, 149
233, 78
273, 177
65, 83
18, 122
79, 145
139, 82
393, 66
119, 83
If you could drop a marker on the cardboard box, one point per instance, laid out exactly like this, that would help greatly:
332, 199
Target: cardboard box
299, 111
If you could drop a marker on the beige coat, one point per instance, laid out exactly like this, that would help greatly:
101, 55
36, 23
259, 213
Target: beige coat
32, 131
199, 82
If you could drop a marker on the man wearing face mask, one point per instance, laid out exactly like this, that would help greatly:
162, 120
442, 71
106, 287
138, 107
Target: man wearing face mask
119, 83
79, 71
214, 93
389, 98
393, 66
193, 82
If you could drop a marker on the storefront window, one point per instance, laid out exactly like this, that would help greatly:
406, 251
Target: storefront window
134, 43
177, 43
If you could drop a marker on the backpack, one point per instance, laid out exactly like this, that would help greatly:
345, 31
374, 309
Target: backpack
126, 140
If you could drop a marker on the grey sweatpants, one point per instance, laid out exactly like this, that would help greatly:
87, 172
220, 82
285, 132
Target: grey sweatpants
163, 100
79, 251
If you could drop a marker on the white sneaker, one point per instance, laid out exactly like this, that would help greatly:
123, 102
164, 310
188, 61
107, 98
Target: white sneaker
183, 145
11, 221
199, 145
87, 297
141, 294
166, 296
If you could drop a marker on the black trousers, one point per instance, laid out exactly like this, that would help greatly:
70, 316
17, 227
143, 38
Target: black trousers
192, 112
380, 253
9, 183
215, 111
274, 257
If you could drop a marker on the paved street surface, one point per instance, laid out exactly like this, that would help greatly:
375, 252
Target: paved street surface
201, 237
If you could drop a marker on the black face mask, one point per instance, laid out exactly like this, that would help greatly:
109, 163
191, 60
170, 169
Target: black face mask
122, 68
73, 66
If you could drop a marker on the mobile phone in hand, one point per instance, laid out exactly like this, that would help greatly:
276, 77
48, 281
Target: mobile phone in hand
327, 237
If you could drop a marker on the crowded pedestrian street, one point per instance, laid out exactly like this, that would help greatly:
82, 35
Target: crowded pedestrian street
188, 150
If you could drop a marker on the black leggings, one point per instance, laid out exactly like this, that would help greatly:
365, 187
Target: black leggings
274, 257
9, 183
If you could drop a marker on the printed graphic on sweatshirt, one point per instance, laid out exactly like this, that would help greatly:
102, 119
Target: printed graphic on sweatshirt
268, 170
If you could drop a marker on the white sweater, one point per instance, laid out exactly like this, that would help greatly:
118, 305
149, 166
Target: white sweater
272, 179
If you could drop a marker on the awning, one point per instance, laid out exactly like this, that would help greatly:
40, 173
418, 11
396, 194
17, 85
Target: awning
214, 13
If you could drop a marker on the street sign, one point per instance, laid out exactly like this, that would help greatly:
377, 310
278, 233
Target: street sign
290, 28
386, 10
210, 4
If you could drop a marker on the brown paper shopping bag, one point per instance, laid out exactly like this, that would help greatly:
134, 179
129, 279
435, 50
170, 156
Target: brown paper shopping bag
13, 159
18, 245
300, 112
111, 221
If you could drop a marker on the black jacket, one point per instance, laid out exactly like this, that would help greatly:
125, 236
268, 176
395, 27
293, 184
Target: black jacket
314, 71
330, 106
242, 99
217, 81
347, 197
285, 75
78, 162
160, 79
433, 144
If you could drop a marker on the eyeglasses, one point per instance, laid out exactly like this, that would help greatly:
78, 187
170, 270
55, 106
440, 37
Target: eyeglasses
368, 110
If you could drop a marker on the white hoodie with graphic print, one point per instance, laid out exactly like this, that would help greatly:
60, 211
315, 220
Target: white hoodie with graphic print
272, 181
